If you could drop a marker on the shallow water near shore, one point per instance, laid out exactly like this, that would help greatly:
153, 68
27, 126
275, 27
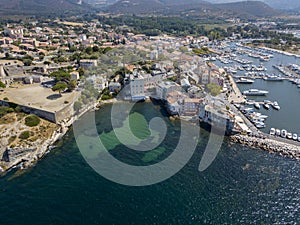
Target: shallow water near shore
242, 186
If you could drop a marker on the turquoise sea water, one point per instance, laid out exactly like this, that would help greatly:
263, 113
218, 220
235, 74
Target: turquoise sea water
242, 186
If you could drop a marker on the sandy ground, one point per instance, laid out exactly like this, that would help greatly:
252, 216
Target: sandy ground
38, 97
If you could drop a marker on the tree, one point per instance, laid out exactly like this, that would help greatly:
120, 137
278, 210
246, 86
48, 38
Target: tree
77, 106
73, 49
61, 75
72, 85
95, 48
214, 89
32, 120
2, 85
7, 55
60, 87
89, 50
81, 71
27, 62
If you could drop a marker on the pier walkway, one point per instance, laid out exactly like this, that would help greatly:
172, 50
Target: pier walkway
235, 95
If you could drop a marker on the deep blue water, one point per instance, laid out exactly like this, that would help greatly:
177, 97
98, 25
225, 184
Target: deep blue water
242, 186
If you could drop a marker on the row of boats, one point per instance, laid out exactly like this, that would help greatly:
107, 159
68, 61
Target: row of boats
266, 77
246, 67
266, 104
284, 134
296, 81
256, 118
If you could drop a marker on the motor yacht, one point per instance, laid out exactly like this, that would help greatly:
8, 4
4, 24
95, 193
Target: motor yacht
255, 92
275, 105
244, 81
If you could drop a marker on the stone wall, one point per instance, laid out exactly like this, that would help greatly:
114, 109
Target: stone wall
54, 117
65, 113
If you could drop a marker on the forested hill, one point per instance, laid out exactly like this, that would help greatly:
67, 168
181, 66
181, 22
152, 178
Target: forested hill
40, 7
254, 8
246, 9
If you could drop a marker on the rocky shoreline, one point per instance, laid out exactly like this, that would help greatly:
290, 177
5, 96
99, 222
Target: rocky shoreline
272, 146
267, 144
29, 159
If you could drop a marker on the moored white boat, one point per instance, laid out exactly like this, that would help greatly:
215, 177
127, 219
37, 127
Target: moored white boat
275, 105
255, 92
277, 132
295, 137
273, 78
283, 133
244, 81
266, 106
257, 105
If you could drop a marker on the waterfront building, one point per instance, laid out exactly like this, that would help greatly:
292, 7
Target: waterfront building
164, 88
214, 113
174, 106
137, 88
191, 106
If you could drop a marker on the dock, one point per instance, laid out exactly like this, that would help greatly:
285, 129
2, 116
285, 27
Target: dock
258, 139
235, 95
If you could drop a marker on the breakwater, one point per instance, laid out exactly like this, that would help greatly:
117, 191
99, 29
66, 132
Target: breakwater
270, 145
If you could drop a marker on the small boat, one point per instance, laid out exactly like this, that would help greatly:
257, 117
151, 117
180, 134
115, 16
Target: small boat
244, 81
260, 125
248, 110
267, 102
272, 131
260, 115
299, 137
283, 133
266, 106
295, 137
256, 105
273, 78
275, 105
255, 92
277, 132
289, 135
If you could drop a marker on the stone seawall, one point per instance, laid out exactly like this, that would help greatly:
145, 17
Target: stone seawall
54, 117
272, 146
